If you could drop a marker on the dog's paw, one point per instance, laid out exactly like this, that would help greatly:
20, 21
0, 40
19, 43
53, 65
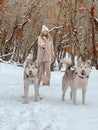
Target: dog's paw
36, 100
62, 100
83, 103
25, 102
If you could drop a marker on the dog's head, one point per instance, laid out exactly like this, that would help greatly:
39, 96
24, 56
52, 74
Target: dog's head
83, 68
31, 68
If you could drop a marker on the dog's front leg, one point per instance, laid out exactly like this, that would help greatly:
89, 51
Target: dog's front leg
83, 96
63, 94
26, 89
74, 96
36, 93
71, 94
64, 89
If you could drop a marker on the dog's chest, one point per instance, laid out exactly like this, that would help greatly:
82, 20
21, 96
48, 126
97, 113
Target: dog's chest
80, 83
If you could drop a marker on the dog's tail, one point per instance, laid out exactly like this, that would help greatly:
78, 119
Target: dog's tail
66, 61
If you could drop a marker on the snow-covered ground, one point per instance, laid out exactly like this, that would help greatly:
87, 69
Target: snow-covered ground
50, 113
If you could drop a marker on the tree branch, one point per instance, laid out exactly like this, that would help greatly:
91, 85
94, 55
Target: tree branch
7, 54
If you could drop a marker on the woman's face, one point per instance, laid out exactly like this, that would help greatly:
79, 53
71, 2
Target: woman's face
45, 33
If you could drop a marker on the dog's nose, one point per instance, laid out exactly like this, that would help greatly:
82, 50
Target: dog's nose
30, 72
83, 71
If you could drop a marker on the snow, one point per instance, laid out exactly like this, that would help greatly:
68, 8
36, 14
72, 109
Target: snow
50, 113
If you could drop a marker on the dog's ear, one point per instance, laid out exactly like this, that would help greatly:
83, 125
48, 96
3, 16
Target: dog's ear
88, 63
79, 61
26, 62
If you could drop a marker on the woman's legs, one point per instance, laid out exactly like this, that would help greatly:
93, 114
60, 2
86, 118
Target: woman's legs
48, 71
45, 72
42, 69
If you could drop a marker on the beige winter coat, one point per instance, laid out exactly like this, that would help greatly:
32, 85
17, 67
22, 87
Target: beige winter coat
45, 49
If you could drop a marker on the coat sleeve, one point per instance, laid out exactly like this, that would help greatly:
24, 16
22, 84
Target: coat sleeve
41, 42
52, 47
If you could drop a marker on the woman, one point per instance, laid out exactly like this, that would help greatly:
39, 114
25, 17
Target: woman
45, 53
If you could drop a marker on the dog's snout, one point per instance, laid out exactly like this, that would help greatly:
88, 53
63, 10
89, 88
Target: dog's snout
30, 72
83, 71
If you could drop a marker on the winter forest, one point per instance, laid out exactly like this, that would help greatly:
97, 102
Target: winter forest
73, 25
26, 102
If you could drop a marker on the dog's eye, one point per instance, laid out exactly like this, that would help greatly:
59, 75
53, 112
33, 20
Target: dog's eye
81, 67
85, 67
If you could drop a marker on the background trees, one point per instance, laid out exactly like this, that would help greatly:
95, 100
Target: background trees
69, 22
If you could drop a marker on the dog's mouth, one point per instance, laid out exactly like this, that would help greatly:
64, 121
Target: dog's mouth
82, 73
31, 74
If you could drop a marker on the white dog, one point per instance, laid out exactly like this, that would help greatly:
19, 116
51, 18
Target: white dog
31, 76
76, 78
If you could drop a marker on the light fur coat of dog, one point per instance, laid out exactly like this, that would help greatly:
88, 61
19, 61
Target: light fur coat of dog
31, 76
76, 79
